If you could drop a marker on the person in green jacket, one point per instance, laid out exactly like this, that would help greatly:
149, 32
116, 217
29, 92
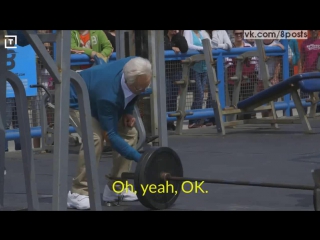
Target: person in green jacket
91, 42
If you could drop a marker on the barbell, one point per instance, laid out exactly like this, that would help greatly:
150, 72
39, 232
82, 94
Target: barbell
161, 167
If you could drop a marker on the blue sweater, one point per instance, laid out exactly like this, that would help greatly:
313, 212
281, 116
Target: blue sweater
107, 102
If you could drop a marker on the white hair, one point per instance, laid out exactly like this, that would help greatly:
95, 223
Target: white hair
136, 67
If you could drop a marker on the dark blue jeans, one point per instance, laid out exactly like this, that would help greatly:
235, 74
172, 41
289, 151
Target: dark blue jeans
198, 92
12, 117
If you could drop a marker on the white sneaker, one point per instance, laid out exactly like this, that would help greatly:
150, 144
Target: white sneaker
111, 196
78, 201
129, 196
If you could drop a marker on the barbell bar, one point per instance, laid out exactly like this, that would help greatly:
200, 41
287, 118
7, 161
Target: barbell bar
162, 167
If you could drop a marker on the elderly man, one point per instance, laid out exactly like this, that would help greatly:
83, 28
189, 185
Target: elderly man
113, 90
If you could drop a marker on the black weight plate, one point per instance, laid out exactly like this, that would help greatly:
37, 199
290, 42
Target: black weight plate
316, 200
152, 192
316, 191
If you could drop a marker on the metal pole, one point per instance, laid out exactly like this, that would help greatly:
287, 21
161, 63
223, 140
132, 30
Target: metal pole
132, 48
25, 139
87, 141
60, 72
158, 96
61, 121
120, 44
153, 97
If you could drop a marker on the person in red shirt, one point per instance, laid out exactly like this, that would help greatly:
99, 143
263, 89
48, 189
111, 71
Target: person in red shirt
310, 48
309, 51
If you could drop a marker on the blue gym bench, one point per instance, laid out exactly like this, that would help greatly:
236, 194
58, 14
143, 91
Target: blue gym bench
306, 82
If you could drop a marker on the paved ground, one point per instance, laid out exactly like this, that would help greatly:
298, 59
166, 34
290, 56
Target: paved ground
251, 152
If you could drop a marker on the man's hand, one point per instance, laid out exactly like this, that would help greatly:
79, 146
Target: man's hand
99, 55
214, 43
77, 51
93, 53
176, 49
280, 45
128, 120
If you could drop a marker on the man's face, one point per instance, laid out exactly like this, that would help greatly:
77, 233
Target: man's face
141, 84
173, 32
238, 35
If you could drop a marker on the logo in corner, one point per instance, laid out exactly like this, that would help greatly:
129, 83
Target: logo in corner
10, 41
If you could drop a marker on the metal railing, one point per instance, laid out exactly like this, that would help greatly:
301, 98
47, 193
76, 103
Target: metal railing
220, 56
